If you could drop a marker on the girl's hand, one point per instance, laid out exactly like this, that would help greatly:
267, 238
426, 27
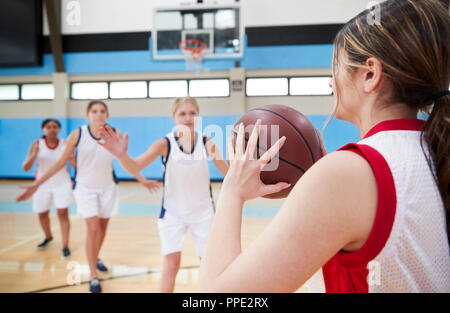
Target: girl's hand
114, 143
243, 179
30, 190
151, 185
34, 150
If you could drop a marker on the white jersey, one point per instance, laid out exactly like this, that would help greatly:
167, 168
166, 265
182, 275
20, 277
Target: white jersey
408, 249
46, 157
94, 169
187, 189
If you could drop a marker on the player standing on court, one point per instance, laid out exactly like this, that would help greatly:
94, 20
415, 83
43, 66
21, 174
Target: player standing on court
57, 190
187, 200
95, 186
374, 216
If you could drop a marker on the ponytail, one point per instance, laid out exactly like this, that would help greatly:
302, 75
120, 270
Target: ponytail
437, 137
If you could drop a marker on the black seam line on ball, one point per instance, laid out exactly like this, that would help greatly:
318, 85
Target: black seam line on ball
286, 161
298, 131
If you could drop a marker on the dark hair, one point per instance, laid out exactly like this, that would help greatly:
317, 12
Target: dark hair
412, 43
48, 120
93, 102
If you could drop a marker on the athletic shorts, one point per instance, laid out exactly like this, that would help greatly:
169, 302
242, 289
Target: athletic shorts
61, 198
172, 231
101, 203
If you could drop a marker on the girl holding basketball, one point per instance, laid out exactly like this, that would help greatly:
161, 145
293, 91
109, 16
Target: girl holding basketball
95, 186
187, 199
56, 191
386, 228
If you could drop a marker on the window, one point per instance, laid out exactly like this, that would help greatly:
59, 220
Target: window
90, 90
9, 92
310, 86
37, 92
209, 88
122, 90
267, 87
168, 88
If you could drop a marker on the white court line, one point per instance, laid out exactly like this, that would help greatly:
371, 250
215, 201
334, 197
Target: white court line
33, 237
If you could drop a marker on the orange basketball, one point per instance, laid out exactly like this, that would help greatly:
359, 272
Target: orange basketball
300, 151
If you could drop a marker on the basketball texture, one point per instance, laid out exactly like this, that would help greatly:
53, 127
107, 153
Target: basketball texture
300, 151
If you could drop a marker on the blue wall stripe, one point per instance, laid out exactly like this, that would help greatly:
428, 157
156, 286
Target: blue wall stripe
282, 57
17, 134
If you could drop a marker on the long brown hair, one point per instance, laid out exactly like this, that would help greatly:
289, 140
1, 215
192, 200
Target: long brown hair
411, 40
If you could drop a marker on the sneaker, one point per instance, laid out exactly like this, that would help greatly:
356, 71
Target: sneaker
44, 243
101, 267
94, 286
65, 253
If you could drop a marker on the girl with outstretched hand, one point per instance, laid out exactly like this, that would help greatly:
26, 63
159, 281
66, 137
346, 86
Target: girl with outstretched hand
187, 199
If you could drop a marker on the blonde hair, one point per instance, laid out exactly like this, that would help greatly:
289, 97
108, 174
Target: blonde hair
178, 101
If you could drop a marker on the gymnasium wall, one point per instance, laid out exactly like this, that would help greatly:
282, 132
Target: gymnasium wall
102, 50
16, 135
147, 120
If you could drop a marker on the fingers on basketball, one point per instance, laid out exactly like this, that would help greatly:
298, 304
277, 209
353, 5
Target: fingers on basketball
272, 152
253, 141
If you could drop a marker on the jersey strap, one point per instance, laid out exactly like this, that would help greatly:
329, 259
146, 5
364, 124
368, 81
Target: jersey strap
348, 271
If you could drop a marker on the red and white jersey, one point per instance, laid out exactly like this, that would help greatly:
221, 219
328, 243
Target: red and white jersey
407, 249
46, 157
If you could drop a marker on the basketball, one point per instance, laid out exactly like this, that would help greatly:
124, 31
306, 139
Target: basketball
300, 151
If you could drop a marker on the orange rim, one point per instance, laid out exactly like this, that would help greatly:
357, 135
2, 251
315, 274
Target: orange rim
195, 51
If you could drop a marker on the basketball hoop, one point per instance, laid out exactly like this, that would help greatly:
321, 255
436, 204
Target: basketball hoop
193, 50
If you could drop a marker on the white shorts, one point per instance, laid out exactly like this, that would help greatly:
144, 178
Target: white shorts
101, 203
172, 231
61, 198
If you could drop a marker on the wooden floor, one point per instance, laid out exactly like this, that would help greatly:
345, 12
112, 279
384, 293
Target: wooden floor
131, 249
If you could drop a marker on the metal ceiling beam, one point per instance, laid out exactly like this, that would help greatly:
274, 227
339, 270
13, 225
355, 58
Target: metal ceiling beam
53, 9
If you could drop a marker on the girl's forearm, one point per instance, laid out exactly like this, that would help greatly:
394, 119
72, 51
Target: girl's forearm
28, 163
50, 172
223, 168
224, 240
131, 166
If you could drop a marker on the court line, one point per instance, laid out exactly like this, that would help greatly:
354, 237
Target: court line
152, 209
33, 237
109, 278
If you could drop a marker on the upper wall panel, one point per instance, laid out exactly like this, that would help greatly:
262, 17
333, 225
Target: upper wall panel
112, 16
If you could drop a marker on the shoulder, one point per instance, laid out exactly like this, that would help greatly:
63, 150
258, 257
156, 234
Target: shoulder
163, 142
76, 132
74, 137
343, 185
338, 167
350, 163
162, 145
